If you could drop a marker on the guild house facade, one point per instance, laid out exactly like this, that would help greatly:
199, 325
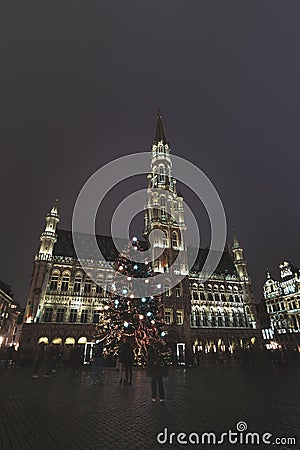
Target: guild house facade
282, 299
64, 304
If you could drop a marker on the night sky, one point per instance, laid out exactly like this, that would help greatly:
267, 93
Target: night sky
81, 83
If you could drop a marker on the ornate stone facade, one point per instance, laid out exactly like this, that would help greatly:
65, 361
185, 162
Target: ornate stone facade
65, 302
282, 300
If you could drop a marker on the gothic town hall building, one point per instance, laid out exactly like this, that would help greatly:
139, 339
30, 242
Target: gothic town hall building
64, 304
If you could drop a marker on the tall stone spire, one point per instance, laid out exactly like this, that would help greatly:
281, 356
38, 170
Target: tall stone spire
160, 135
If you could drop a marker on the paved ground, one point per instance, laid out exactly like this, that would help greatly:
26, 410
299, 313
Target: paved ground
52, 413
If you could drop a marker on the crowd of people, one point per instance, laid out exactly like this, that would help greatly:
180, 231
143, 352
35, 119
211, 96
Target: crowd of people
46, 359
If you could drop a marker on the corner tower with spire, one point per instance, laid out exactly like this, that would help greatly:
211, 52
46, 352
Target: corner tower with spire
42, 266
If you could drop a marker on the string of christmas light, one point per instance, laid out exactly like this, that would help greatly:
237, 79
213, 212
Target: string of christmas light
140, 319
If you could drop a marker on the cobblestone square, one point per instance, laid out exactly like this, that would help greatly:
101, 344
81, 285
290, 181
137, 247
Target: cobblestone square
64, 412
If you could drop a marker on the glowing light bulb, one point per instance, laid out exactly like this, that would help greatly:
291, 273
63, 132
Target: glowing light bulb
117, 302
135, 267
146, 281
134, 239
144, 299
126, 324
131, 296
163, 333
124, 291
159, 286
149, 314
121, 267
141, 317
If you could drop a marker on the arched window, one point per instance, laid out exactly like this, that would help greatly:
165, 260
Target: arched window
77, 283
202, 296
230, 299
195, 317
213, 318
161, 172
236, 298
87, 286
204, 318
54, 281
217, 298
234, 320
174, 239
165, 238
65, 282
210, 297
220, 319
241, 320
226, 319
195, 295
223, 298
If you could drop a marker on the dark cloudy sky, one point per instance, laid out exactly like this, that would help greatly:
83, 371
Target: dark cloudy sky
81, 82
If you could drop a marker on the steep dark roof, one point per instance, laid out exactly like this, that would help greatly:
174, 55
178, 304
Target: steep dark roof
64, 247
225, 266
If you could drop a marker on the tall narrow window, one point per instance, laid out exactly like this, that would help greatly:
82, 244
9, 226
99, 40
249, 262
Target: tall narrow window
179, 317
96, 317
168, 316
65, 283
213, 319
73, 315
87, 286
204, 318
226, 319
84, 316
174, 239
197, 318
48, 314
54, 282
195, 295
60, 314
77, 283
161, 176
99, 288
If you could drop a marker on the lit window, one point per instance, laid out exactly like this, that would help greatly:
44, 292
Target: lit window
179, 317
168, 316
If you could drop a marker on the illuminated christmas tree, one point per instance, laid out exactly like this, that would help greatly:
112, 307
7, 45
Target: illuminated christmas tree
126, 314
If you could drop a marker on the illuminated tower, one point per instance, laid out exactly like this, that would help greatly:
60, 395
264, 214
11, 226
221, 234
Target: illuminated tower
239, 262
164, 209
42, 266
164, 219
